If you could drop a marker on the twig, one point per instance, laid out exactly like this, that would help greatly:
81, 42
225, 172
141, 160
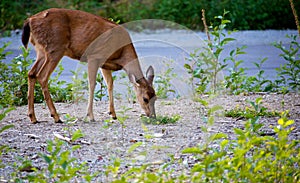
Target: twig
32, 136
211, 49
295, 15
67, 139
205, 26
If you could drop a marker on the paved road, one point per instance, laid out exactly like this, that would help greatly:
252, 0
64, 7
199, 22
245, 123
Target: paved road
158, 48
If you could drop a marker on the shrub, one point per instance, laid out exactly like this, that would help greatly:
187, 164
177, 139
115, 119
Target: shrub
245, 14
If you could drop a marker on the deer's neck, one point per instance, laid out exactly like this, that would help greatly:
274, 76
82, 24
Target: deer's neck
134, 71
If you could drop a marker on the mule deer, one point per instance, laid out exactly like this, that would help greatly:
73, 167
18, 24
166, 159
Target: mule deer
89, 38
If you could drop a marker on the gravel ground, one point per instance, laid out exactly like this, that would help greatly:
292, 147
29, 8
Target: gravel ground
101, 143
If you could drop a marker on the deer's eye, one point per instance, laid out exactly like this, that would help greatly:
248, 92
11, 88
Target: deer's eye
145, 100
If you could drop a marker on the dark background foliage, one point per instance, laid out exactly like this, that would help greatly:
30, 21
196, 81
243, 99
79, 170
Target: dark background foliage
245, 14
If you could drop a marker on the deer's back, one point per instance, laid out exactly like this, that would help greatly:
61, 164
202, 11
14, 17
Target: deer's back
71, 30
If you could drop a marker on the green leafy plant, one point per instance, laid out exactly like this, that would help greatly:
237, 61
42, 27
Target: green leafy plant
205, 65
78, 86
161, 120
162, 82
258, 82
102, 92
4, 148
255, 109
60, 165
57, 87
249, 157
129, 94
13, 82
235, 81
289, 73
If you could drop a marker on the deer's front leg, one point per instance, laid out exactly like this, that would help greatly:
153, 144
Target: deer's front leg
109, 82
92, 73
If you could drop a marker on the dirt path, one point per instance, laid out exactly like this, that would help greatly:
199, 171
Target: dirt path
102, 143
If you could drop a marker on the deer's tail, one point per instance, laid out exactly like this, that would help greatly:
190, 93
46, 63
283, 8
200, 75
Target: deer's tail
26, 33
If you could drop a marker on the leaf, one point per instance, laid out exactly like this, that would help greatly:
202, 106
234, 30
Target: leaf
258, 100
203, 102
74, 148
211, 120
218, 136
226, 40
288, 123
239, 132
188, 67
47, 158
6, 127
5, 112
225, 21
218, 51
224, 143
192, 150
214, 109
134, 146
281, 121
76, 135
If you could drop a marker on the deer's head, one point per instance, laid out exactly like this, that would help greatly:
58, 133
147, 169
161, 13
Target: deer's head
145, 93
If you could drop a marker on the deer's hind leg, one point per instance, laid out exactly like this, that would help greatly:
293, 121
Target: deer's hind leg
41, 71
32, 77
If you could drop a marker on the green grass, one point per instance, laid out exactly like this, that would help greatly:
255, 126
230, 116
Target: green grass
161, 120
248, 113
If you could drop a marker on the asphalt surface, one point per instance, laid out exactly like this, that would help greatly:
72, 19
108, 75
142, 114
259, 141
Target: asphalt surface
157, 48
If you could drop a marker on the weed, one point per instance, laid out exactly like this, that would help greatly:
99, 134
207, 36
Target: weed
60, 165
161, 120
255, 109
235, 81
205, 66
162, 82
102, 92
4, 148
13, 81
78, 86
258, 82
57, 88
129, 95
289, 73
250, 157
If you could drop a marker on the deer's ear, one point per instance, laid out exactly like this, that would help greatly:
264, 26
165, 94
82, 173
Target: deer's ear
133, 80
150, 74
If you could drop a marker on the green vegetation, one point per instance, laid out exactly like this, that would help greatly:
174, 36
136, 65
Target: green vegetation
246, 156
205, 65
162, 82
249, 157
289, 73
161, 120
251, 14
255, 109
14, 83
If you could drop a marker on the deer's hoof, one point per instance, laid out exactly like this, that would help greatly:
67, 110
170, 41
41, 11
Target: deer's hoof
59, 121
113, 115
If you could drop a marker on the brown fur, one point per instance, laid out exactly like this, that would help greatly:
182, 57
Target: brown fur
60, 32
